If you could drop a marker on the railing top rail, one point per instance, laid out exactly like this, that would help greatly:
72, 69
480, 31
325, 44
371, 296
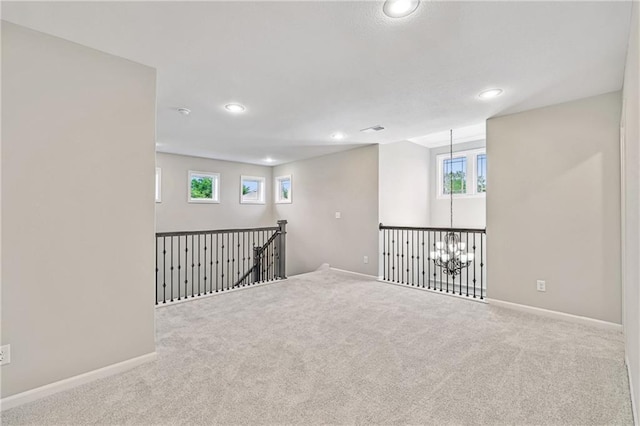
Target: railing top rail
215, 231
415, 228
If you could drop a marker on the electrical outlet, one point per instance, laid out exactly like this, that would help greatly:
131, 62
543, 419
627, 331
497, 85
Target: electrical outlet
338, 215
366, 259
541, 285
5, 354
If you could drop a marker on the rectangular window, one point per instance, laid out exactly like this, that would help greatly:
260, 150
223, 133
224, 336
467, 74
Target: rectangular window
252, 189
455, 176
203, 187
462, 175
283, 189
481, 181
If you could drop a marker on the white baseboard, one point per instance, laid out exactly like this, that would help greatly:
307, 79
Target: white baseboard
371, 277
204, 296
633, 399
72, 382
557, 315
431, 290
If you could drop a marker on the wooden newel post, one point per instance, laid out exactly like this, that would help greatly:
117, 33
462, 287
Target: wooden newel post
282, 250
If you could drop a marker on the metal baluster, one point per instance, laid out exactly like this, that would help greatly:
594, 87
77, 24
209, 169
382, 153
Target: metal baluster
466, 247
402, 255
205, 264
394, 257
179, 267
474, 266
435, 269
193, 264
217, 260
428, 259
440, 239
389, 258
448, 260
164, 269
212, 251
244, 254
269, 257
228, 260
414, 257
157, 270
251, 252
171, 270
384, 254
461, 271
199, 265
186, 265
422, 247
482, 235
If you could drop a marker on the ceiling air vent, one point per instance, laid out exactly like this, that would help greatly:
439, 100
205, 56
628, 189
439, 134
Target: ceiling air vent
373, 129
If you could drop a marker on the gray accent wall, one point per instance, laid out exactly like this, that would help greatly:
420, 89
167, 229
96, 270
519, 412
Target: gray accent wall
553, 207
631, 207
345, 182
174, 213
78, 134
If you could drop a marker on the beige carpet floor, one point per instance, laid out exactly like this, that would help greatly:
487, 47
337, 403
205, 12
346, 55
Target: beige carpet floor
331, 348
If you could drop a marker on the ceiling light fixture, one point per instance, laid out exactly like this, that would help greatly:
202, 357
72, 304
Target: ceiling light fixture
338, 136
184, 111
269, 160
490, 94
234, 107
400, 8
373, 129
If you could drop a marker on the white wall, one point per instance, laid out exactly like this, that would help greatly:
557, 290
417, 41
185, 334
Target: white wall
631, 207
404, 184
77, 209
468, 212
174, 213
345, 182
553, 207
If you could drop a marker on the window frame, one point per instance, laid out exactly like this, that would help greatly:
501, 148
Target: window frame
278, 189
471, 174
475, 175
215, 187
261, 189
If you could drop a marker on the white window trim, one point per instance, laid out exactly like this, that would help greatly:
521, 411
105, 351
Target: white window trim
215, 188
158, 185
261, 189
472, 177
278, 182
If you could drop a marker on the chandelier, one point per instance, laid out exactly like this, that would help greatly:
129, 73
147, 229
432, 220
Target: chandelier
450, 254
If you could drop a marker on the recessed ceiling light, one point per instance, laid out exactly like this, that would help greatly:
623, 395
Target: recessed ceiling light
269, 160
184, 111
338, 136
400, 8
491, 93
234, 107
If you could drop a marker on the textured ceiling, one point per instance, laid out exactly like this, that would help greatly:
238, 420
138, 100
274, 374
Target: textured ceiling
308, 69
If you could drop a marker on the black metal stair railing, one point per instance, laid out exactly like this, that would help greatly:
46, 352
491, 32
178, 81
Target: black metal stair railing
196, 263
412, 256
